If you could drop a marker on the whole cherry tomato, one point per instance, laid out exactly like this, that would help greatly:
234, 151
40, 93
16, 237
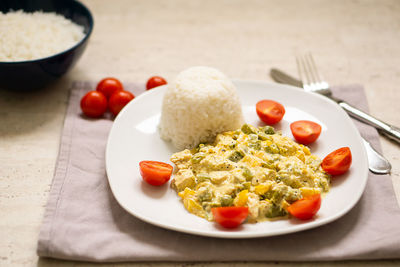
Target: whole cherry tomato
337, 162
305, 208
155, 81
305, 132
270, 111
94, 104
108, 86
118, 100
230, 217
155, 172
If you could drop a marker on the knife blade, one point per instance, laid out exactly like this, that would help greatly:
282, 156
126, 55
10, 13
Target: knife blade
377, 163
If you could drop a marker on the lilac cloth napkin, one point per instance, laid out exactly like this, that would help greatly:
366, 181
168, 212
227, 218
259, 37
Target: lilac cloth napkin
84, 222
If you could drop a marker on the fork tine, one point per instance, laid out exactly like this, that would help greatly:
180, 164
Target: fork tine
310, 70
303, 72
300, 69
310, 77
318, 77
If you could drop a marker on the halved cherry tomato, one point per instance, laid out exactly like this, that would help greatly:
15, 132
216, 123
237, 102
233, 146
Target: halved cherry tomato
94, 104
230, 217
108, 86
269, 111
155, 81
305, 132
305, 208
118, 100
155, 172
337, 162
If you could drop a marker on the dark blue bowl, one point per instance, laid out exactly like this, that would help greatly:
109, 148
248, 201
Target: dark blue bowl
35, 74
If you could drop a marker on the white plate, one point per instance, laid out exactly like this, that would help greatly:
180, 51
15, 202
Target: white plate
134, 137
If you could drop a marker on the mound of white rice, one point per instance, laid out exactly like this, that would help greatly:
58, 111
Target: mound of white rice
198, 105
28, 36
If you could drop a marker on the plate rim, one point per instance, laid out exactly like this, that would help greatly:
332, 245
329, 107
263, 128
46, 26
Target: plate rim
226, 234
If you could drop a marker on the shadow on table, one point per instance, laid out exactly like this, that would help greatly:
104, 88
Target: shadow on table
25, 111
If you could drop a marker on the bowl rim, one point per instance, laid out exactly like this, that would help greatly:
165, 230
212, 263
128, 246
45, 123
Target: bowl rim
87, 35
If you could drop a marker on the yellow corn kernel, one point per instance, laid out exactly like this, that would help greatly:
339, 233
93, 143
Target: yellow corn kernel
309, 191
300, 155
192, 206
241, 198
251, 161
261, 189
285, 204
268, 142
187, 192
306, 150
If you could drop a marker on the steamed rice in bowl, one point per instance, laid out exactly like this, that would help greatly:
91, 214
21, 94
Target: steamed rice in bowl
198, 105
30, 36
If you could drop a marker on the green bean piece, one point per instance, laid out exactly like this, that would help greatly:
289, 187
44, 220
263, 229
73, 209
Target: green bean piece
236, 156
198, 157
232, 145
273, 149
247, 173
248, 129
268, 165
246, 185
207, 205
253, 137
255, 145
226, 200
205, 196
262, 136
202, 177
275, 211
268, 130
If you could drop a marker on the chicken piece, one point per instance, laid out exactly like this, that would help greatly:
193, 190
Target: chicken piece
183, 178
217, 177
253, 203
182, 159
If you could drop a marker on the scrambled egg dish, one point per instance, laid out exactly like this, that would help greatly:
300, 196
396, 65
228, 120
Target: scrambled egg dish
253, 167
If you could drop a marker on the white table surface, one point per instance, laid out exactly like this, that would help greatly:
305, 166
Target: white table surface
352, 42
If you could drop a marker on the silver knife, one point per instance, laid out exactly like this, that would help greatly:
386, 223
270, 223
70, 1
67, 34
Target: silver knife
388, 130
376, 162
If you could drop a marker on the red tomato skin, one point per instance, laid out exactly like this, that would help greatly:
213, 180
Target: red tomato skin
337, 162
230, 217
94, 104
155, 81
155, 172
305, 132
108, 86
118, 100
306, 208
269, 111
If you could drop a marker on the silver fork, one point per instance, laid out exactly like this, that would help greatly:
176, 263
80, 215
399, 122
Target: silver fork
313, 81
310, 77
